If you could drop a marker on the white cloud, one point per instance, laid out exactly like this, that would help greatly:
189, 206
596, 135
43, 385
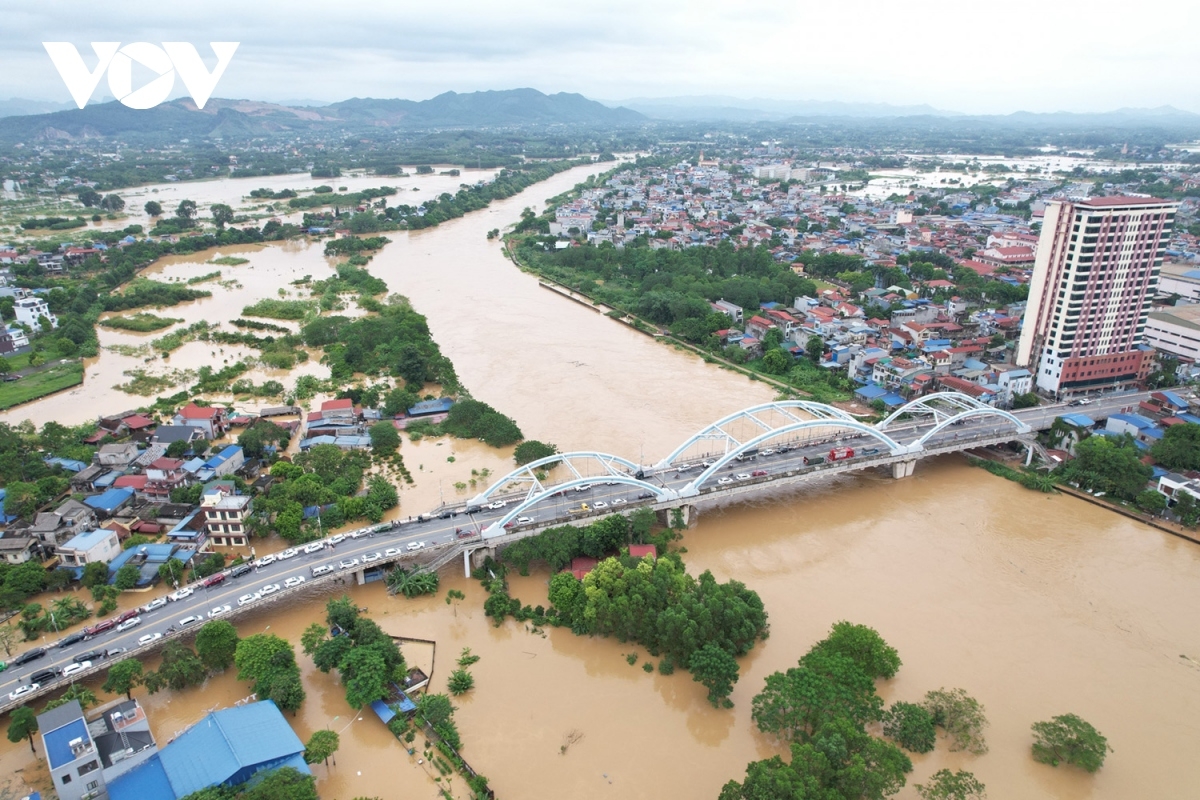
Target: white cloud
1024, 54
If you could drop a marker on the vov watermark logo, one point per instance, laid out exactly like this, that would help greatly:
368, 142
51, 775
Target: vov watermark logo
165, 61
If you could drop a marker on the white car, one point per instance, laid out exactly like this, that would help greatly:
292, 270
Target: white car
248, 598
371, 557
72, 669
612, 483
524, 520
724, 481
294, 581
219, 610
338, 539
767, 451
286, 554
129, 624
742, 476
392, 552
496, 506
349, 563
315, 547
154, 604
361, 532
192, 620
599, 504
265, 560
620, 501
415, 545
181, 594
583, 487
147, 639
270, 588
20, 692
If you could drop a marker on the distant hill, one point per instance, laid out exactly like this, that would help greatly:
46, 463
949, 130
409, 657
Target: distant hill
233, 118
710, 108
17, 106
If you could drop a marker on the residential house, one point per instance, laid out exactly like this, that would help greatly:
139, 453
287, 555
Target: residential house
85, 548
338, 409
116, 455
1172, 485
211, 421
109, 502
758, 326
225, 516
17, 549
226, 462
952, 383
85, 756
31, 310
732, 310
64, 522
163, 475
169, 434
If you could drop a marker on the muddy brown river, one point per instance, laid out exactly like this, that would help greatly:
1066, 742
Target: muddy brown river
1036, 605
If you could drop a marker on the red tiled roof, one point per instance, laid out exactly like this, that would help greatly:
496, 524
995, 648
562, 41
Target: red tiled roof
193, 411
166, 464
337, 405
643, 550
135, 482
137, 422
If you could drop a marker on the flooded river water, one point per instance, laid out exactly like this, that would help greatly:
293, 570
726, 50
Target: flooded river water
1036, 605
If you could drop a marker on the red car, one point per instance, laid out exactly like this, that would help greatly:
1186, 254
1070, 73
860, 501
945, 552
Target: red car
101, 627
758, 473
213, 580
128, 615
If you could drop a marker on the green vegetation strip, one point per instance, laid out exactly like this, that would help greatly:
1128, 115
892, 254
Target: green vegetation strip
230, 261
142, 323
40, 384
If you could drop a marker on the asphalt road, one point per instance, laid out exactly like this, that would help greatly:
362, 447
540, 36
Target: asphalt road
600, 498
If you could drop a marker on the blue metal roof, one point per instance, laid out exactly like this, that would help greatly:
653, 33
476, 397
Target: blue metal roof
58, 742
223, 456
110, 500
1174, 399
146, 780
1136, 420
1078, 420
438, 406
226, 743
69, 464
383, 711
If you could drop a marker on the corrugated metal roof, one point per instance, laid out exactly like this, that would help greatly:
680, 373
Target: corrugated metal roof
58, 742
146, 780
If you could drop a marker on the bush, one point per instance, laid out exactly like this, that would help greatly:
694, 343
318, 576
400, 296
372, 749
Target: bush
1069, 739
911, 727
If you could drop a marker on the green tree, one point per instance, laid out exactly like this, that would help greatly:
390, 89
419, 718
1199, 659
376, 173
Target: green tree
460, 682
1069, 739
364, 674
186, 210
22, 724
947, 785
961, 716
815, 348
717, 670
256, 655
1187, 509
384, 438
321, 745
865, 646
95, 574
123, 676
5, 366
1110, 465
1151, 501
222, 215
90, 198
180, 668
127, 577
216, 644
776, 362
1179, 447
452, 598
76, 691
313, 637
910, 726
285, 783
171, 571
112, 202
153, 208
826, 686
532, 450
8, 638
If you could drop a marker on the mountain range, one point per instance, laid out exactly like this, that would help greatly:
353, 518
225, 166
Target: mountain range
22, 120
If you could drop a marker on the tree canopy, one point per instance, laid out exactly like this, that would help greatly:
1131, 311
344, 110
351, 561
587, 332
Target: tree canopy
1069, 739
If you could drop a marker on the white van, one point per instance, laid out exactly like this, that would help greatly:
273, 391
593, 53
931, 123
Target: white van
322, 570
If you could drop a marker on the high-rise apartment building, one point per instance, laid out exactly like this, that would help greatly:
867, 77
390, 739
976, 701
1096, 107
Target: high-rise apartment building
1093, 281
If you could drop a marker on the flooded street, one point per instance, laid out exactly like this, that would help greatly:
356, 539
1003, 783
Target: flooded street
1036, 605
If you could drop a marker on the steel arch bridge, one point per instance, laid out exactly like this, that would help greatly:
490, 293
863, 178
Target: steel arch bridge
894, 448
611, 467
717, 431
943, 406
533, 499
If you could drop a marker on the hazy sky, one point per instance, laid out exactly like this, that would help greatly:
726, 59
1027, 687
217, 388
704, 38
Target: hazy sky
1035, 55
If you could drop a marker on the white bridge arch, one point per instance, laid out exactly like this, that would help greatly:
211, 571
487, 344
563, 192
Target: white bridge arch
497, 528
893, 447
987, 411
717, 431
610, 467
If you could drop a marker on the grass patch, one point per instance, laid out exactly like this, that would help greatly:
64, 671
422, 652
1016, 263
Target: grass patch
144, 384
229, 261
49, 381
208, 276
173, 341
142, 323
279, 309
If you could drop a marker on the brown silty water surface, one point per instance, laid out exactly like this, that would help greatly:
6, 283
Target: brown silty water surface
1036, 605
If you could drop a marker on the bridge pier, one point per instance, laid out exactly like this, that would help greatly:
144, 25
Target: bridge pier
474, 558
360, 576
903, 469
685, 514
